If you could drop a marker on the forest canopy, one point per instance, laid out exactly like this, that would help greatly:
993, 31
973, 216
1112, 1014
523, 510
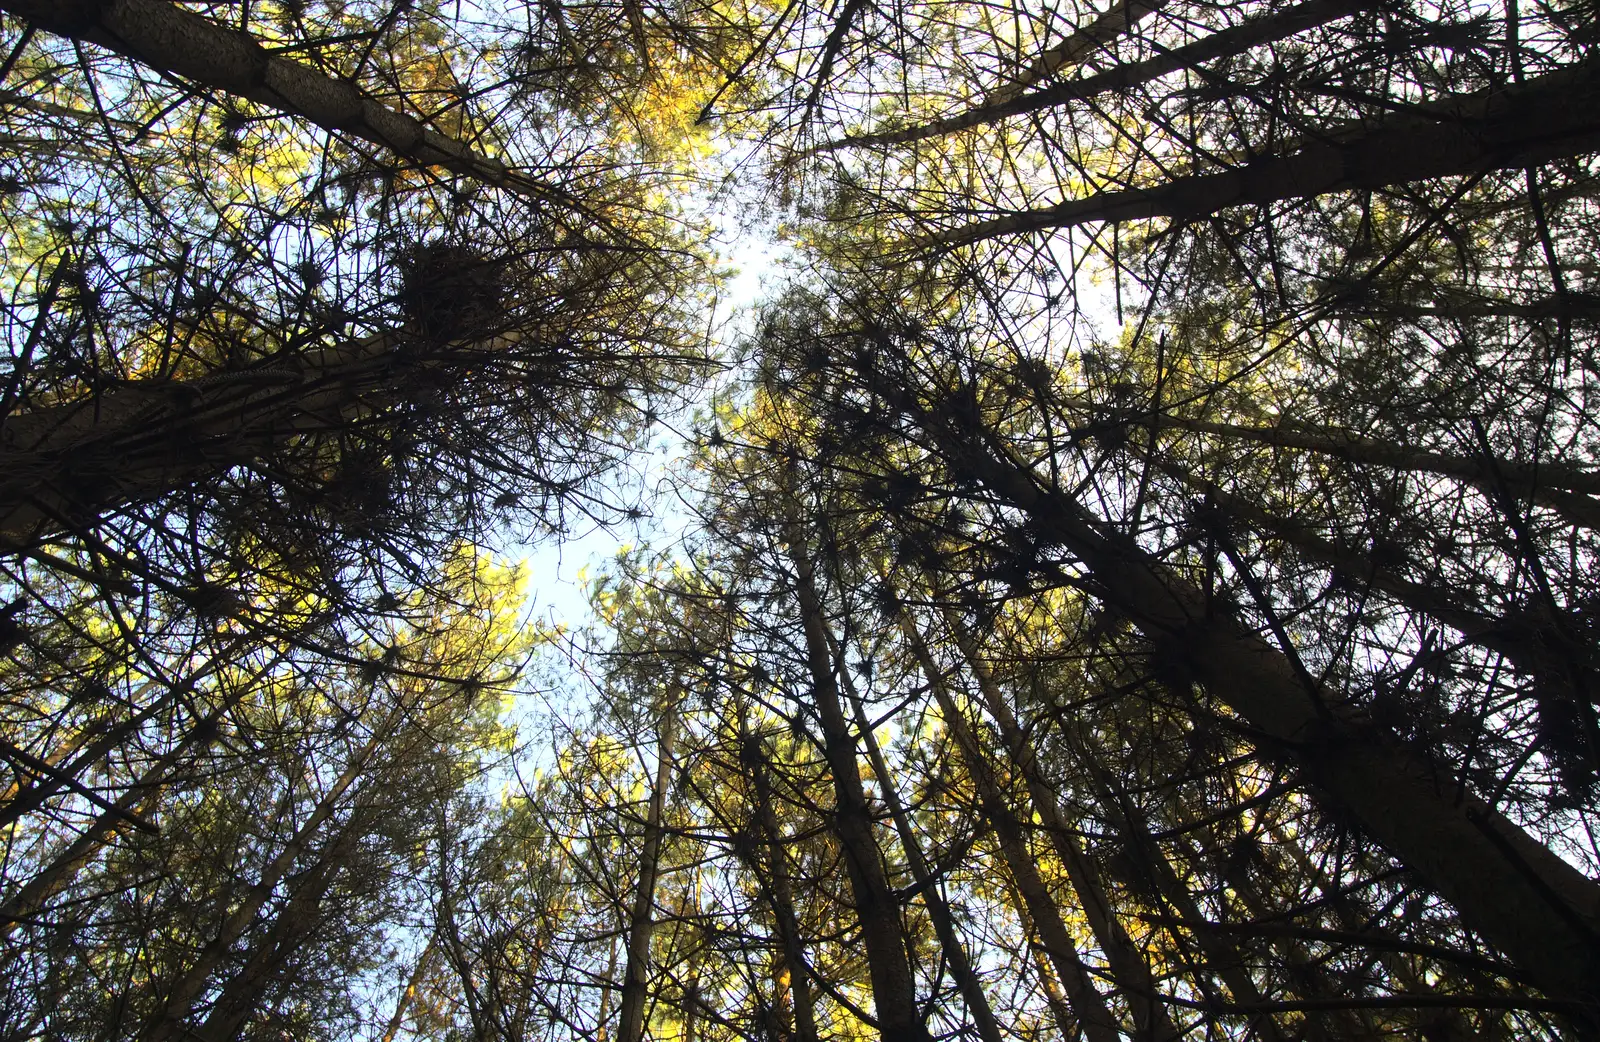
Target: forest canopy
1130, 575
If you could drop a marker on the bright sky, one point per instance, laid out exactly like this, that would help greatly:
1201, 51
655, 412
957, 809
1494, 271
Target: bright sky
557, 568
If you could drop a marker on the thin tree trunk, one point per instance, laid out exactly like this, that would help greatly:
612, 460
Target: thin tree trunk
921, 873
893, 986
1561, 487
641, 921
180, 43
605, 994
1555, 116
408, 994
780, 891
1446, 1025
1060, 1011
1222, 958
1128, 968
189, 987
22, 800
241, 994
135, 802
1537, 909
1547, 651
1090, 1007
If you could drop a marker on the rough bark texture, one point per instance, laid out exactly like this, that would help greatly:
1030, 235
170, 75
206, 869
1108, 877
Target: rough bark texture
64, 464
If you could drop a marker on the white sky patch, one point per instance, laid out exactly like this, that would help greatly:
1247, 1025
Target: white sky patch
559, 570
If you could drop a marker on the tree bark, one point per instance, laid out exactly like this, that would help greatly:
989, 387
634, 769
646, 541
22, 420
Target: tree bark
1542, 645
189, 987
893, 986
1537, 909
1561, 487
921, 873
171, 40
641, 921
61, 464
1103, 30
241, 994
1094, 1016
1128, 966
1222, 959
1555, 116
779, 889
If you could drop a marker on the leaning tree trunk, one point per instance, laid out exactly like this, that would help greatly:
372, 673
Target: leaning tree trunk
1555, 116
1223, 959
1537, 909
62, 465
1547, 643
922, 874
188, 988
893, 986
1563, 488
1102, 31
1237, 39
1128, 966
1095, 1017
180, 43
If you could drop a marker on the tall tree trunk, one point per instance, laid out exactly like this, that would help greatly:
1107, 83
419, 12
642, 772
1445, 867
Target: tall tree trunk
1307, 974
23, 800
192, 983
1128, 968
1539, 910
893, 986
241, 994
1222, 958
921, 873
641, 919
408, 994
606, 989
137, 442
180, 43
1444, 1025
1555, 116
1060, 1010
137, 801
1563, 488
1549, 643
780, 892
